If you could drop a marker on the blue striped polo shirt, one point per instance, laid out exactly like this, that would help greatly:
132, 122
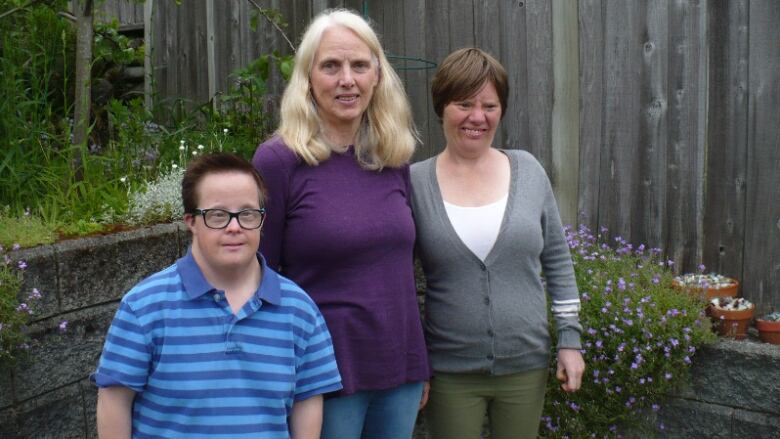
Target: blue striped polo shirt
199, 370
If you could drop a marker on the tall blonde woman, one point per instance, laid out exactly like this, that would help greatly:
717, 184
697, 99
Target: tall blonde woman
340, 223
487, 226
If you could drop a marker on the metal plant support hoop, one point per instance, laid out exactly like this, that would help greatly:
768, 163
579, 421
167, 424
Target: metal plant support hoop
401, 62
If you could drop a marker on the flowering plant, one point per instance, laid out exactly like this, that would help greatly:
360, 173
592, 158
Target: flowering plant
639, 337
15, 314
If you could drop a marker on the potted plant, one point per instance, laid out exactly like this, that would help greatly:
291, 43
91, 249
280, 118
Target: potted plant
731, 316
706, 286
769, 328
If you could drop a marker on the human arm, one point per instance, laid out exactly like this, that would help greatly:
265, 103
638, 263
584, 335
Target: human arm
274, 164
558, 270
306, 418
571, 366
115, 412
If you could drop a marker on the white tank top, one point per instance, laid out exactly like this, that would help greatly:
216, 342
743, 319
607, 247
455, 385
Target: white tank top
477, 227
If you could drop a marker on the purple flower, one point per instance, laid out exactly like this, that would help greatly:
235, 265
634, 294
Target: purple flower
35, 294
22, 265
668, 376
687, 360
16, 247
701, 268
655, 407
63, 326
621, 283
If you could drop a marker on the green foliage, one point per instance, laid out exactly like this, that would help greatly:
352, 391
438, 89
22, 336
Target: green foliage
639, 337
242, 109
112, 48
26, 231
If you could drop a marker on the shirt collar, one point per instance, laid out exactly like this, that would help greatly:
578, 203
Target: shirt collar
196, 285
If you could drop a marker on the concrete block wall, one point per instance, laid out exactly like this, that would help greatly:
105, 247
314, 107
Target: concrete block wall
81, 281
734, 393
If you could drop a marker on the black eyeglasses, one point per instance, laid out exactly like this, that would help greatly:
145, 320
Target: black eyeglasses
249, 219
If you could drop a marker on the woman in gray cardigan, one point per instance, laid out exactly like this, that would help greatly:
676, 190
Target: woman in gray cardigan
487, 226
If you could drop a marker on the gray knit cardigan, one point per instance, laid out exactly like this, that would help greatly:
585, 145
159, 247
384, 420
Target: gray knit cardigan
491, 317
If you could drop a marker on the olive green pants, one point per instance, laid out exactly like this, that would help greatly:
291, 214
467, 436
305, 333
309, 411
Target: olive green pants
458, 402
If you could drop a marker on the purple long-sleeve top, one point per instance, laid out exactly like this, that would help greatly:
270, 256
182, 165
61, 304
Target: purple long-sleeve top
346, 236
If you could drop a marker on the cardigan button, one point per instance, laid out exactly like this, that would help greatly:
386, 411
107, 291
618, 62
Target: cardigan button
490, 332
487, 300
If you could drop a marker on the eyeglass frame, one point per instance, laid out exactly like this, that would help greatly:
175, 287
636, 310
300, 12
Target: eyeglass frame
231, 215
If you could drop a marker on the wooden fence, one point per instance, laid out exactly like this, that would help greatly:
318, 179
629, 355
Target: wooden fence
659, 120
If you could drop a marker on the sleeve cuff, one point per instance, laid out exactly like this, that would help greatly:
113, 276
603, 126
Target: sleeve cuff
569, 339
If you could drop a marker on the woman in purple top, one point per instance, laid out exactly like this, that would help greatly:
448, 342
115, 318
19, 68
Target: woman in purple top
340, 225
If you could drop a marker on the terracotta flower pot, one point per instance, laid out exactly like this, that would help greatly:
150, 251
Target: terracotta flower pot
768, 331
730, 288
731, 323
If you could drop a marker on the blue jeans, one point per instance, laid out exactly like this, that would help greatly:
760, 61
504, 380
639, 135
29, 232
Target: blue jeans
373, 414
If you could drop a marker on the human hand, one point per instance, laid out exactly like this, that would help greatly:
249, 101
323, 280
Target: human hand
425, 391
571, 366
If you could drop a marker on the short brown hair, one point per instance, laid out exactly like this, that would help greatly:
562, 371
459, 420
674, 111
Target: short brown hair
463, 73
215, 164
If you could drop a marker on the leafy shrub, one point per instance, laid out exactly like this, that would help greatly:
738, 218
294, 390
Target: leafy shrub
159, 202
639, 338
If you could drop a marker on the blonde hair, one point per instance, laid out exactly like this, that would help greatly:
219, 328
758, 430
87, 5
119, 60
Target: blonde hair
386, 136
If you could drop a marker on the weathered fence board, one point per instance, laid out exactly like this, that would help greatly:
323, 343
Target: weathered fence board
724, 209
761, 270
591, 44
653, 129
623, 23
513, 43
685, 176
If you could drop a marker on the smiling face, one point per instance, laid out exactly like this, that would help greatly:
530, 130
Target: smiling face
343, 77
232, 248
470, 124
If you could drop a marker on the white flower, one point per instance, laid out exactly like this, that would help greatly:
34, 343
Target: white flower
200, 147
225, 131
194, 153
123, 179
174, 166
181, 148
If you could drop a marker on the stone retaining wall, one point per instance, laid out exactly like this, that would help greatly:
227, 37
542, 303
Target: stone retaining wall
735, 391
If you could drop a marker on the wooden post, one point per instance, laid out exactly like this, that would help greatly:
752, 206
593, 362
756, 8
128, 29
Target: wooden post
83, 81
149, 47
